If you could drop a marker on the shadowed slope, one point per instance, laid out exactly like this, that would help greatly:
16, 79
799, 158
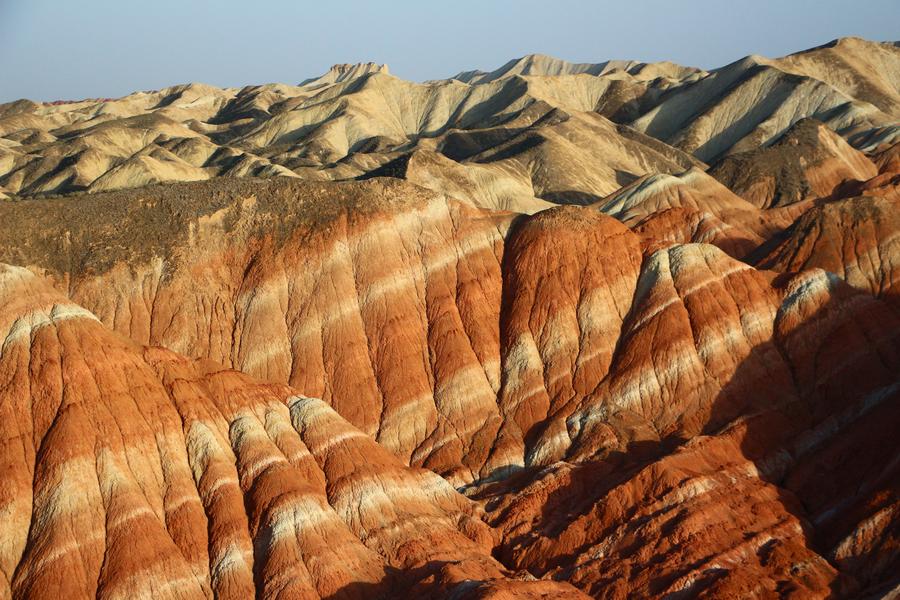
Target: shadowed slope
797, 496
857, 238
808, 162
755, 100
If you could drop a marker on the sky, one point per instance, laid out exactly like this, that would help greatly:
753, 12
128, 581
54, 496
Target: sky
73, 49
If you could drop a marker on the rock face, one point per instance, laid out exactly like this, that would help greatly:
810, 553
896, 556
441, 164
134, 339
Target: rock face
522, 358
378, 297
856, 238
740, 510
808, 162
156, 475
528, 351
753, 101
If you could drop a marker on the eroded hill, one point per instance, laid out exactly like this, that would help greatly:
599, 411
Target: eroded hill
521, 349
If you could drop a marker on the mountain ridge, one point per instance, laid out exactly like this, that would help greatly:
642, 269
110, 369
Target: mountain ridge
356, 118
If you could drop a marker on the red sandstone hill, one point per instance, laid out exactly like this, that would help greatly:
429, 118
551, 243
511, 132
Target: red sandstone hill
522, 350
605, 402
158, 475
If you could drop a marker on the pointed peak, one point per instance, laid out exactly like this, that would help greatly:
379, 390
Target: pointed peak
537, 57
342, 72
358, 68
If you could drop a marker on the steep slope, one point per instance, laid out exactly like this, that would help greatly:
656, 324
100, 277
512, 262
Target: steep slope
868, 71
542, 66
321, 301
749, 103
569, 276
133, 472
809, 161
888, 159
379, 106
126, 152
885, 184
794, 498
857, 239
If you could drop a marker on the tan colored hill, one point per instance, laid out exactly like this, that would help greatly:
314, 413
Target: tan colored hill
753, 101
561, 159
492, 186
541, 65
693, 189
691, 207
861, 69
359, 116
344, 72
539, 113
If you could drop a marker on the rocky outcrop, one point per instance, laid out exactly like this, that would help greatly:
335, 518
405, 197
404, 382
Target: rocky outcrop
856, 238
133, 471
795, 497
808, 162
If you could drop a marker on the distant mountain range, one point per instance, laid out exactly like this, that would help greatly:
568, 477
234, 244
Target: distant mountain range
513, 128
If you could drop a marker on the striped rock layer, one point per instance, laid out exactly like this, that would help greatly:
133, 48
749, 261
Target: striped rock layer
626, 412
134, 472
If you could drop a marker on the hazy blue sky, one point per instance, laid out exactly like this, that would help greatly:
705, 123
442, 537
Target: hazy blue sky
69, 49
